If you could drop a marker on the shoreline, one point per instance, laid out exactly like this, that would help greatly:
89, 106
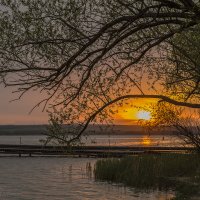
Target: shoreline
87, 151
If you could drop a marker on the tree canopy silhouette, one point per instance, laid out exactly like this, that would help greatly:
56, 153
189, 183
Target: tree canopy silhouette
85, 55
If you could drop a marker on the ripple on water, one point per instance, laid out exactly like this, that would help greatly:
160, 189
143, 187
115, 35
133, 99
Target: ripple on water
61, 178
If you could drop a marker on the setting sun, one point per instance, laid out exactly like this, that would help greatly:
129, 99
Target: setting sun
144, 115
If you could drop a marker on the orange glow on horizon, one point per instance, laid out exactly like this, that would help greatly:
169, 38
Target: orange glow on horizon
134, 111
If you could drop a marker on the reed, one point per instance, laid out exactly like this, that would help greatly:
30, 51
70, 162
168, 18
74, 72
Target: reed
164, 171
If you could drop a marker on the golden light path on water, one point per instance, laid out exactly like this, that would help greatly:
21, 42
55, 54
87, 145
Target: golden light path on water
146, 140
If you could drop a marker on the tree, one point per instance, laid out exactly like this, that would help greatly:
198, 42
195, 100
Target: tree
185, 127
86, 55
188, 130
183, 66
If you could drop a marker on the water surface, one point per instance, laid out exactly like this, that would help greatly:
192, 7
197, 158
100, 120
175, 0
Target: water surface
112, 140
53, 178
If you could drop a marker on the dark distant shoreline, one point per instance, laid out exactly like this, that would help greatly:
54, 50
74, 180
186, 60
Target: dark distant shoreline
22, 130
9, 130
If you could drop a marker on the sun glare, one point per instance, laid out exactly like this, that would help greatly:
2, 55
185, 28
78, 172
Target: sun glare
144, 115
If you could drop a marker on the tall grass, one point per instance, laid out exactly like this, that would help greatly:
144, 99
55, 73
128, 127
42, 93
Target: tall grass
149, 171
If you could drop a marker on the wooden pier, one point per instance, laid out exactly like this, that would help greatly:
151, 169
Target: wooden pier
83, 151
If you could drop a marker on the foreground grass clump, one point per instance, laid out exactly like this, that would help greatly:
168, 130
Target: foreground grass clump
174, 171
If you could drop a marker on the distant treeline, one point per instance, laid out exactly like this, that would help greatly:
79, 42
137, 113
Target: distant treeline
91, 130
22, 129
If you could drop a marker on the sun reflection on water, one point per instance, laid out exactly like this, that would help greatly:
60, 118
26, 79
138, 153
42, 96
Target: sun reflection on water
146, 140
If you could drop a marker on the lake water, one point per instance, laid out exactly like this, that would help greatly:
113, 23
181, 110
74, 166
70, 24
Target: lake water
113, 140
60, 178
53, 178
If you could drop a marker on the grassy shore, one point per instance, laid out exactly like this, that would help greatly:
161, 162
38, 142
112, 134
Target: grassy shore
179, 172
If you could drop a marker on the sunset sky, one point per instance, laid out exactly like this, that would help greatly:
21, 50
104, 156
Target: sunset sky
129, 114
17, 112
